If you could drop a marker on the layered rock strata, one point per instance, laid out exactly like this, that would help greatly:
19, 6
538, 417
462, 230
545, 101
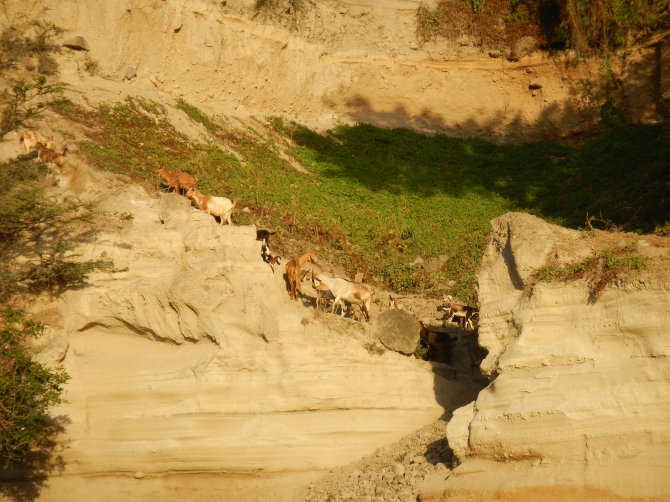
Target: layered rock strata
579, 403
190, 362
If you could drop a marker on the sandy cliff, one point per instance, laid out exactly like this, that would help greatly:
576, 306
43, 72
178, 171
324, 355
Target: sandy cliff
191, 359
580, 401
344, 61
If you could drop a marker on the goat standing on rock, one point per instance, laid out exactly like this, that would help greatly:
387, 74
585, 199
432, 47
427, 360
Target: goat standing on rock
464, 313
293, 275
177, 181
268, 257
347, 291
214, 206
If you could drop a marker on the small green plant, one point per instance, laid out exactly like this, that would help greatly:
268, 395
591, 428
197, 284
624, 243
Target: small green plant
197, 116
295, 5
56, 271
46, 65
27, 390
374, 348
600, 270
475, 5
91, 66
25, 100
122, 215
16, 44
421, 351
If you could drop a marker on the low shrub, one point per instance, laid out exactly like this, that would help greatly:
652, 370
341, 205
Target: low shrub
28, 390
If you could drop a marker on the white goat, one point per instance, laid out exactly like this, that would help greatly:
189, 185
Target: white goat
347, 291
214, 206
463, 312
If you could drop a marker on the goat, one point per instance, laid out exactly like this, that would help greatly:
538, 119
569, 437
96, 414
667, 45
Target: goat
214, 206
465, 313
393, 303
29, 140
435, 342
47, 155
348, 291
268, 257
293, 275
264, 235
324, 297
177, 181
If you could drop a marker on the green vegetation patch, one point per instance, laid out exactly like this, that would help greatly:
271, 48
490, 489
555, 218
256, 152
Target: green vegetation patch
583, 25
37, 235
409, 211
28, 390
600, 270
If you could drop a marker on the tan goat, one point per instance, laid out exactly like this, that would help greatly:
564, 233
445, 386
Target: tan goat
464, 313
29, 140
214, 206
293, 275
348, 292
177, 181
324, 297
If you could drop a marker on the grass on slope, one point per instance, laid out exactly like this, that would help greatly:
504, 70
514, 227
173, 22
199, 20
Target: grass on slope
376, 199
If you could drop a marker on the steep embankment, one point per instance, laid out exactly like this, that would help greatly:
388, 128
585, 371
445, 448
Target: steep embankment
190, 359
343, 62
580, 405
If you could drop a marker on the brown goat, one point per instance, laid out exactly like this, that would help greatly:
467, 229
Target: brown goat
293, 276
464, 313
47, 155
437, 343
177, 181
29, 140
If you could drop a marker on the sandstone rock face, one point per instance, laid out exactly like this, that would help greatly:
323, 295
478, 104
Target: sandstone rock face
190, 358
398, 331
341, 63
579, 404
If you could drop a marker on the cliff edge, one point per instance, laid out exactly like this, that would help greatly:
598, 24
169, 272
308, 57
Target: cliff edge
579, 404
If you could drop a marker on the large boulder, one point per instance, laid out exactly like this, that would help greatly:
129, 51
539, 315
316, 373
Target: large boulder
397, 330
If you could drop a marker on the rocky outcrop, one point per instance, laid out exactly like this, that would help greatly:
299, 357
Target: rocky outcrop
190, 358
579, 404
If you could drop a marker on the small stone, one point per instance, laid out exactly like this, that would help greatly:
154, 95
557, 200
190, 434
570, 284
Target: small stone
77, 43
399, 469
139, 475
440, 467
